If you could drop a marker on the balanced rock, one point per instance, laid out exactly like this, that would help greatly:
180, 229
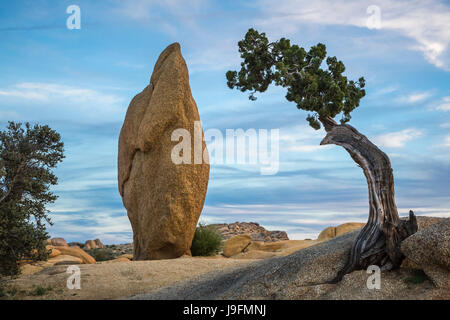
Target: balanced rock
163, 198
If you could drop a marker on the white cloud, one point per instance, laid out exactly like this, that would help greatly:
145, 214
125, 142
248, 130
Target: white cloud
447, 142
444, 104
416, 97
397, 139
47, 91
445, 125
426, 22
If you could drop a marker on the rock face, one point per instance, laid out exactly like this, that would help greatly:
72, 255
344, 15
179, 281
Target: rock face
93, 244
429, 249
257, 232
163, 199
332, 232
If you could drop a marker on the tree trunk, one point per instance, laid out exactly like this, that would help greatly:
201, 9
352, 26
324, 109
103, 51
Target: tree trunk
378, 243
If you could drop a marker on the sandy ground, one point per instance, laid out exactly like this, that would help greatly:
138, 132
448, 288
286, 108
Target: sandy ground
119, 280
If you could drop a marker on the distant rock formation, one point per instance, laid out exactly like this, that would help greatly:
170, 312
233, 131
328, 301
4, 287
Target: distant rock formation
163, 199
93, 244
256, 232
58, 242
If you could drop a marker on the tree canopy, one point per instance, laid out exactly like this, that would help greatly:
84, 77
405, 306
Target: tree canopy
322, 92
27, 156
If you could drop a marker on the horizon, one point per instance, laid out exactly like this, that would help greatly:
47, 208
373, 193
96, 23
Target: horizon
80, 82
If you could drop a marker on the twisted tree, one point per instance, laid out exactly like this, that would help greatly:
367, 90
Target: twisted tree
327, 93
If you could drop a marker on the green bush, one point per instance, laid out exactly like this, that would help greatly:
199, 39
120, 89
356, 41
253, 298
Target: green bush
206, 242
418, 277
40, 291
101, 254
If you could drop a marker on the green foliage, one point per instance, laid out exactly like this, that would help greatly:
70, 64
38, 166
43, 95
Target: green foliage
101, 254
418, 277
323, 92
206, 242
40, 291
27, 155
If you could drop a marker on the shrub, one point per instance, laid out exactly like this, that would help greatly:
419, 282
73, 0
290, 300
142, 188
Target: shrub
101, 254
206, 242
40, 291
418, 277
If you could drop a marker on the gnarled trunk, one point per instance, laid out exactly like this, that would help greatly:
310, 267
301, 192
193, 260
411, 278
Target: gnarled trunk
378, 243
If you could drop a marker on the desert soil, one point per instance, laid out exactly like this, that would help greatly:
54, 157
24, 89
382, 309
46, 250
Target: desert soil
119, 280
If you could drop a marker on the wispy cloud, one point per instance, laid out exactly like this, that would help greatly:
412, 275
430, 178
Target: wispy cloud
427, 22
444, 104
447, 142
416, 97
397, 139
72, 102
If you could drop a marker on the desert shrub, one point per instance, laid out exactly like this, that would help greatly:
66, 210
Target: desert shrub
40, 291
418, 277
101, 254
206, 242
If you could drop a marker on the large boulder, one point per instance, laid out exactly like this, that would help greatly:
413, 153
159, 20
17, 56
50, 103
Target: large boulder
332, 232
236, 245
52, 251
65, 259
163, 199
76, 252
429, 249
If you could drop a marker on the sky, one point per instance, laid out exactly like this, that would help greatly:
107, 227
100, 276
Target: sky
80, 82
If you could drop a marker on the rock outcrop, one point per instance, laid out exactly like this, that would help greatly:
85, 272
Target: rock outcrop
257, 232
93, 244
58, 242
429, 249
163, 199
76, 252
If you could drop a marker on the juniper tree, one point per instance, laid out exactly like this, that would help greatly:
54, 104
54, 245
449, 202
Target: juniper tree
325, 93
27, 156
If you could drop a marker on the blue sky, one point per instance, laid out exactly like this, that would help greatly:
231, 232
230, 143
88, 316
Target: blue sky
80, 82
